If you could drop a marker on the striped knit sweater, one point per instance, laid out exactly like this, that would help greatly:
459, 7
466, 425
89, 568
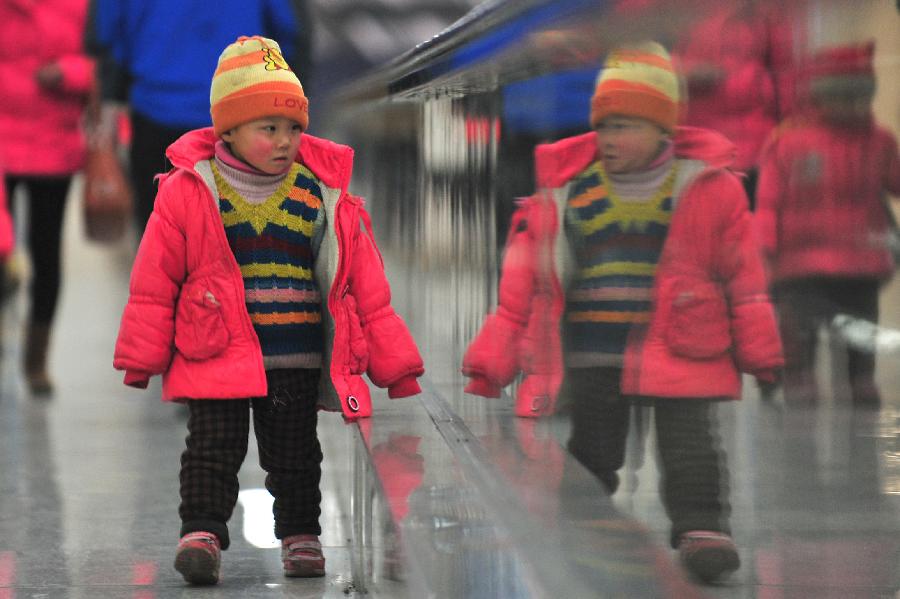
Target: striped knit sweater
274, 224
616, 227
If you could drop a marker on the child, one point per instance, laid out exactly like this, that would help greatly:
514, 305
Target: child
639, 245
823, 218
253, 275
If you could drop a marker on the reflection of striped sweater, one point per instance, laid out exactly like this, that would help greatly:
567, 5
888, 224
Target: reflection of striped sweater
617, 242
274, 240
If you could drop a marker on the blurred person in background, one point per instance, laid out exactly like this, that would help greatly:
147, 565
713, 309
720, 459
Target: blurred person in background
823, 219
156, 57
47, 80
737, 62
635, 273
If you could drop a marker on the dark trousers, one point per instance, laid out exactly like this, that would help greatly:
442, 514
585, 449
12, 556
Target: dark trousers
149, 141
285, 425
804, 307
694, 484
46, 201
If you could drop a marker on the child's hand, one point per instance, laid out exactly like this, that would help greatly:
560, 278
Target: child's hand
49, 77
768, 377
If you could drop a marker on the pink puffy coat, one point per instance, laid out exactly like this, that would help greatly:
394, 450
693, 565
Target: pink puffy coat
41, 129
821, 196
186, 316
712, 318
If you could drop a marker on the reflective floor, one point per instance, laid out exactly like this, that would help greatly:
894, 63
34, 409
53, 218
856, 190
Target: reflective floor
434, 497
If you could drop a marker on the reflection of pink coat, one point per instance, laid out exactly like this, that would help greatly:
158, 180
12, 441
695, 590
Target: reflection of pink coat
41, 130
751, 47
711, 320
186, 316
821, 196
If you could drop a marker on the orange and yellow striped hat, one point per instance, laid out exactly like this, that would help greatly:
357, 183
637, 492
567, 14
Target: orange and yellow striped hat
638, 81
252, 81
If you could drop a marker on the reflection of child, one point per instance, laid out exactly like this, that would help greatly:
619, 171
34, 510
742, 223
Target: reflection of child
664, 301
254, 274
823, 219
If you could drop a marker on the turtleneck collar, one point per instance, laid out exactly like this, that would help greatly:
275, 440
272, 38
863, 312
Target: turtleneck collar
250, 183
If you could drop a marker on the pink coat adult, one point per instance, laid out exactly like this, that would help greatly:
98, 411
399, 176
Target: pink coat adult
737, 61
41, 128
186, 316
822, 193
711, 318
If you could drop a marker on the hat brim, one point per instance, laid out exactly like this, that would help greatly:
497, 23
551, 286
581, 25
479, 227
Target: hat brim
231, 112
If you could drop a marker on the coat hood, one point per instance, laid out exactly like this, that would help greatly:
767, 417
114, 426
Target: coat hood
559, 162
331, 162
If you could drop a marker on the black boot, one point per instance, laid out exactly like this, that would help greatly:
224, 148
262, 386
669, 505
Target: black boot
36, 345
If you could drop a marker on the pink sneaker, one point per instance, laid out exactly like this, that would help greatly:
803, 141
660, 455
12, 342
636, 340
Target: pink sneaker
198, 557
302, 556
708, 555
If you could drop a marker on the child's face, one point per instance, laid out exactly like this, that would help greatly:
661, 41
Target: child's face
269, 144
628, 144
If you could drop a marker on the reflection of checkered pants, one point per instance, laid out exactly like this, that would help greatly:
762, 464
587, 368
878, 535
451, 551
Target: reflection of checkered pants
289, 452
694, 471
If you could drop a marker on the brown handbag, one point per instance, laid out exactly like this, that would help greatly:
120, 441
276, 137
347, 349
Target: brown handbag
107, 196
107, 190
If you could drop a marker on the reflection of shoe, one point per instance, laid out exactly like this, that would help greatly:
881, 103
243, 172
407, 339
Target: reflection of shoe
198, 557
37, 344
302, 556
708, 555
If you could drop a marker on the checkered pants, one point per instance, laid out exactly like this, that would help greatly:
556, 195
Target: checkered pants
285, 425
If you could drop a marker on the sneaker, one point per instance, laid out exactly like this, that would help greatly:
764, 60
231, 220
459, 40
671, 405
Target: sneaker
198, 557
708, 555
302, 556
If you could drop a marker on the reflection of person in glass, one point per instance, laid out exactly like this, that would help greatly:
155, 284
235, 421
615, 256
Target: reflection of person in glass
665, 299
737, 66
823, 220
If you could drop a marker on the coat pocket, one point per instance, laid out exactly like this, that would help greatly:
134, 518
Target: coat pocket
200, 331
358, 356
359, 349
699, 324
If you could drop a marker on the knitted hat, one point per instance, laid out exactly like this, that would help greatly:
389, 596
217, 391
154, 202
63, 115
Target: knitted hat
637, 81
253, 81
844, 70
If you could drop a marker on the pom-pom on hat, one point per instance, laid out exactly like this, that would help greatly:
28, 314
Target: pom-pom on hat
638, 81
842, 70
252, 81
